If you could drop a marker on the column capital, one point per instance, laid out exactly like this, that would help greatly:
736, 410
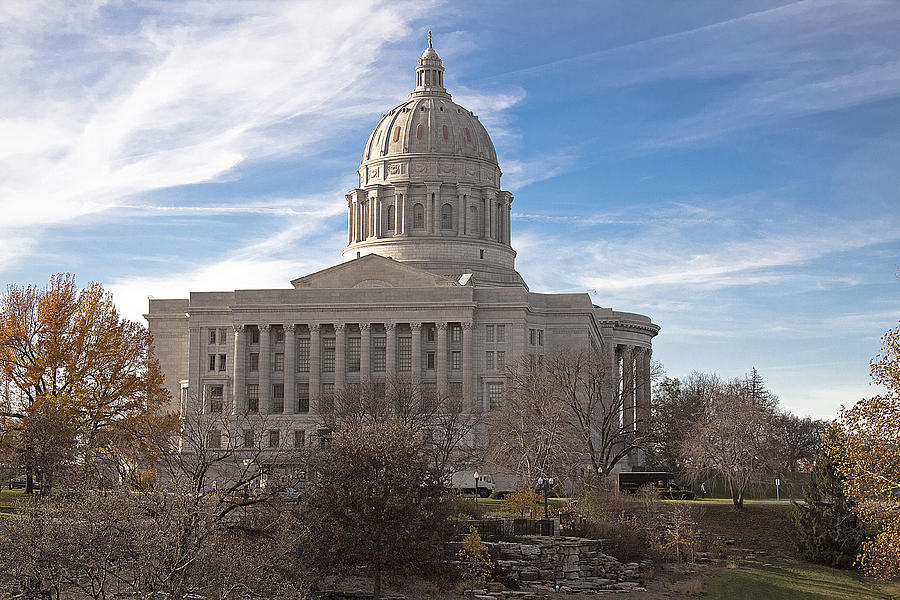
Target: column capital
265, 327
238, 329
317, 327
292, 327
365, 326
415, 326
441, 326
467, 325
389, 326
340, 326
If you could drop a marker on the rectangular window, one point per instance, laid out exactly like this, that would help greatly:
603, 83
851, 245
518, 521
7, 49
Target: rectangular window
455, 390
274, 438
212, 362
278, 334
223, 335
279, 361
254, 362
303, 355
299, 438
254, 334
501, 333
540, 337
379, 354
456, 360
216, 396
222, 362
215, 438
353, 351
326, 401
253, 397
249, 438
532, 336
489, 333
429, 395
489, 360
429, 360
404, 347
328, 355
429, 333
302, 397
456, 333
501, 359
495, 395
212, 336
278, 398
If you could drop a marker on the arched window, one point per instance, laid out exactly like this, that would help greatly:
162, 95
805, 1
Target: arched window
419, 132
418, 216
390, 218
445, 132
446, 217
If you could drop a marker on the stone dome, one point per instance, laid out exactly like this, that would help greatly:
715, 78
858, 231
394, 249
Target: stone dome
429, 188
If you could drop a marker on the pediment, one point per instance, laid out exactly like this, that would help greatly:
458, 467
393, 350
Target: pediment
370, 271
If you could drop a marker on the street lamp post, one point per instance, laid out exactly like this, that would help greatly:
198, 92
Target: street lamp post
476, 489
545, 486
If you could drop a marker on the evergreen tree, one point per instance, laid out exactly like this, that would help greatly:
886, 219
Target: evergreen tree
825, 529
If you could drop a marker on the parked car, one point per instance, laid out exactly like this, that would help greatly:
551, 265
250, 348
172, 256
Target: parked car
290, 494
663, 481
18, 483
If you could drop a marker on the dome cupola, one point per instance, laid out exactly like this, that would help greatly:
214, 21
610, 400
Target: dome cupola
429, 188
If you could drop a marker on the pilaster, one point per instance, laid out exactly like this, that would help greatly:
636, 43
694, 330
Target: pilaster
315, 364
365, 345
265, 368
290, 366
340, 356
441, 359
416, 364
238, 404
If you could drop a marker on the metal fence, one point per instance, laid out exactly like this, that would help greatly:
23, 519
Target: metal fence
505, 528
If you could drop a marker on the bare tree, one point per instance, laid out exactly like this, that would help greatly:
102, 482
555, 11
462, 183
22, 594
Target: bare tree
733, 439
797, 440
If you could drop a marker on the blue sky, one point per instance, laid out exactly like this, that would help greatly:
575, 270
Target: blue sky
730, 168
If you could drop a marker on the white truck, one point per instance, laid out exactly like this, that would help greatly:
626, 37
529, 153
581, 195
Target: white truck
463, 482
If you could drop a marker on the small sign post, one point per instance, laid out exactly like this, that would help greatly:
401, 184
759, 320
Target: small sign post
778, 489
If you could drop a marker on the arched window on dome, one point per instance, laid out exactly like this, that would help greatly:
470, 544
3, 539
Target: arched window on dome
419, 132
447, 216
390, 218
445, 132
418, 216
474, 222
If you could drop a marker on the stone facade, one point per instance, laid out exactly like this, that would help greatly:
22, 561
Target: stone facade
428, 290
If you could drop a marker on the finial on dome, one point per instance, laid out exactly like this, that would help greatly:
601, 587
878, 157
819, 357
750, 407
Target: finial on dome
429, 38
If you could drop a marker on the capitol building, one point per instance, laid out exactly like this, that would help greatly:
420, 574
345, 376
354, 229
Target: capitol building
428, 290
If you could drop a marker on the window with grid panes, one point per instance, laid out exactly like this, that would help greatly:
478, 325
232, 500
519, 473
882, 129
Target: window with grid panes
501, 359
254, 334
379, 354
299, 438
279, 361
212, 362
456, 360
223, 335
222, 362
303, 355
253, 359
253, 397
212, 336
429, 333
216, 395
455, 333
215, 438
303, 397
455, 390
274, 438
429, 360
278, 398
326, 401
489, 359
501, 333
489, 333
278, 334
328, 355
495, 394
404, 360
353, 353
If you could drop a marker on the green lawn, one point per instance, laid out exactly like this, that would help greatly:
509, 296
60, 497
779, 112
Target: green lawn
786, 580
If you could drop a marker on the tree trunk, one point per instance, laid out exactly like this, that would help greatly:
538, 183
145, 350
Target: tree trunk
29, 480
376, 591
737, 498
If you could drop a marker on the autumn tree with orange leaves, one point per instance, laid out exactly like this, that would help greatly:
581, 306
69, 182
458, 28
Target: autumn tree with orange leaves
866, 453
75, 373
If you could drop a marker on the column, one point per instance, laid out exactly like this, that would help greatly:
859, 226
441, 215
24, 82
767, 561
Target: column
401, 214
397, 213
509, 221
441, 359
491, 217
460, 214
628, 388
467, 357
390, 350
416, 366
315, 363
355, 220
199, 366
365, 344
290, 367
265, 369
349, 221
340, 356
429, 218
378, 219
643, 403
239, 361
